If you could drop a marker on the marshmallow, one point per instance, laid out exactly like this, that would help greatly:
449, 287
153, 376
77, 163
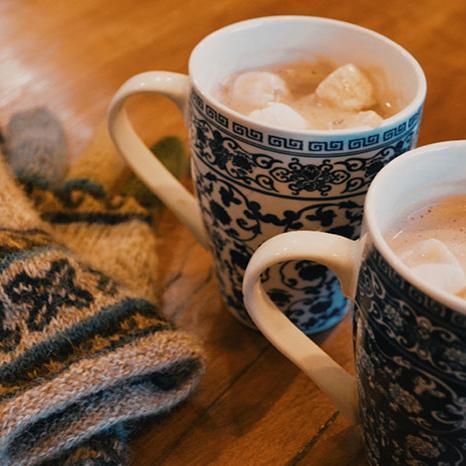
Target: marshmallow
347, 88
433, 262
281, 115
255, 89
366, 119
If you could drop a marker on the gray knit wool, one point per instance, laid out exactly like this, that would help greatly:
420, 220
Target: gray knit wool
35, 144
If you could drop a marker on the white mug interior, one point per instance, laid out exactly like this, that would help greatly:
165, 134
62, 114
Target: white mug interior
415, 178
265, 41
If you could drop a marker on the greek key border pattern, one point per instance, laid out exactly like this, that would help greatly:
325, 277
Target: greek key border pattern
299, 145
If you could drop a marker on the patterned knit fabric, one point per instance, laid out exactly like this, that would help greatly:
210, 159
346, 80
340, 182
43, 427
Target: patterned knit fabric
82, 349
111, 232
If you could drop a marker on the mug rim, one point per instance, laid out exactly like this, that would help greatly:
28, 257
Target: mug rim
373, 229
411, 108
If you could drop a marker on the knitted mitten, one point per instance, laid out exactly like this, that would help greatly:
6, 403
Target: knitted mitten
81, 209
110, 232
79, 353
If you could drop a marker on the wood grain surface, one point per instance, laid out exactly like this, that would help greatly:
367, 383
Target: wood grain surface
253, 407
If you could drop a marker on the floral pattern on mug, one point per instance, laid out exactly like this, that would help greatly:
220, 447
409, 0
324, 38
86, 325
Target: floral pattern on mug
410, 357
252, 186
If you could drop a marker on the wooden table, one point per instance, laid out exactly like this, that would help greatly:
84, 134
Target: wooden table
253, 406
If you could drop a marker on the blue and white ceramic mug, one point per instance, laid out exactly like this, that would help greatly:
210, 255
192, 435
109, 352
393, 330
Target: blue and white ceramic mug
255, 181
409, 339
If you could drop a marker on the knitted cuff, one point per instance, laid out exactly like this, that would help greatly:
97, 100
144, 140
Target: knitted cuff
79, 353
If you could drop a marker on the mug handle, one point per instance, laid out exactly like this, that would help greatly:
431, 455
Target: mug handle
143, 162
339, 254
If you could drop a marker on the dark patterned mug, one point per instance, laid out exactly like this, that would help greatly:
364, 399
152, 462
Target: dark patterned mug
409, 339
254, 181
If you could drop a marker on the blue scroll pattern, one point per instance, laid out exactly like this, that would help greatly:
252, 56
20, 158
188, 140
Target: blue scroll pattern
252, 186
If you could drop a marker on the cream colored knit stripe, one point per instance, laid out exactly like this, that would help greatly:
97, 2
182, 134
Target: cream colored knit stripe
97, 246
150, 354
100, 161
16, 210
